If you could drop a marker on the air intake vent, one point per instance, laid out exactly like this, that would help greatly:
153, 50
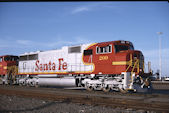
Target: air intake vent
76, 49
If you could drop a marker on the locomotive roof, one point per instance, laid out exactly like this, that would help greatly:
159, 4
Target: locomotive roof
117, 41
36, 52
8, 55
30, 53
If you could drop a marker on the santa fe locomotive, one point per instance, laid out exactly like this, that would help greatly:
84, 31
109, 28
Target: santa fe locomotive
113, 65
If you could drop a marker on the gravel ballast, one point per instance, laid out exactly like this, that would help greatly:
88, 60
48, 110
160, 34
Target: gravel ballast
17, 104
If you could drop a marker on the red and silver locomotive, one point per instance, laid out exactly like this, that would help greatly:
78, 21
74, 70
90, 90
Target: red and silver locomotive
8, 68
113, 65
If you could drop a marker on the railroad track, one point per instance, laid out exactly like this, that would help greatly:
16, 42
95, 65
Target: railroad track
148, 102
161, 85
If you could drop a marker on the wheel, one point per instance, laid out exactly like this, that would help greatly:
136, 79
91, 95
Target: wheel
23, 83
36, 85
3, 83
106, 89
147, 82
123, 90
20, 84
89, 88
27, 84
31, 84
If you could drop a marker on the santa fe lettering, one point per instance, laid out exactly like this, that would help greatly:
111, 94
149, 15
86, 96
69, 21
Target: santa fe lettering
50, 65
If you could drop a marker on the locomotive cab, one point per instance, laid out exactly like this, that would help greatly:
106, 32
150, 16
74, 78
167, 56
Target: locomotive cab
116, 58
134, 59
7, 61
8, 67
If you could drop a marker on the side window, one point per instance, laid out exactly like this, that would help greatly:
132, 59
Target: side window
104, 49
88, 52
33, 57
22, 58
28, 57
0, 59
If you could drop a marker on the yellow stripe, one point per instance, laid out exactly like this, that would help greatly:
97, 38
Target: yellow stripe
88, 63
121, 63
41, 73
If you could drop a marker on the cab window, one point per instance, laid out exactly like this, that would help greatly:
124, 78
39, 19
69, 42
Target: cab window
1, 59
88, 52
10, 58
119, 48
104, 49
7, 58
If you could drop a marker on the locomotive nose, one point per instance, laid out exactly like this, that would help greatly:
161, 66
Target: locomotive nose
141, 63
138, 56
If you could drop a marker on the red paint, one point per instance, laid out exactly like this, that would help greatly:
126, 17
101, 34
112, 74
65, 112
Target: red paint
37, 66
60, 59
51, 65
64, 65
8, 63
103, 62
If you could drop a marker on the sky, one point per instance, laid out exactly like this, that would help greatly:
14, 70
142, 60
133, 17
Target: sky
33, 26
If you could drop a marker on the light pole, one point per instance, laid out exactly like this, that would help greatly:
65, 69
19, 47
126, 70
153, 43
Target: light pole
160, 65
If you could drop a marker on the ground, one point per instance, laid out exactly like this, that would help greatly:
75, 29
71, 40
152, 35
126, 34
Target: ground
16, 104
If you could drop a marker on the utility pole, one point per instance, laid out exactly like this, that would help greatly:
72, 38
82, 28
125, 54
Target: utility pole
160, 64
149, 67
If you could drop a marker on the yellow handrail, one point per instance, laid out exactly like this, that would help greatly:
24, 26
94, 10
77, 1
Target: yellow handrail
130, 63
136, 63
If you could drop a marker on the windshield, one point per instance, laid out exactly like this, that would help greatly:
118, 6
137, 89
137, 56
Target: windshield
10, 58
123, 48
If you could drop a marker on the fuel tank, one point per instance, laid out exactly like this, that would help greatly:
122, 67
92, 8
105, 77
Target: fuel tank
61, 82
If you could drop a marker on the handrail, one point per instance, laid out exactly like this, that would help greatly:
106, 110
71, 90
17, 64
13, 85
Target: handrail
136, 63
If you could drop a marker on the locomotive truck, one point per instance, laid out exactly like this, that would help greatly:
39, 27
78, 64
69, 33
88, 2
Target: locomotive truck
113, 65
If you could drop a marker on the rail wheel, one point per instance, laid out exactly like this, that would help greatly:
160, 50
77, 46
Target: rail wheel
23, 83
27, 84
147, 82
123, 90
20, 84
89, 87
106, 89
36, 85
3, 83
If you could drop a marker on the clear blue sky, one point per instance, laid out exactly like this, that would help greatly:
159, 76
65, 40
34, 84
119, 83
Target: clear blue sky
32, 26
